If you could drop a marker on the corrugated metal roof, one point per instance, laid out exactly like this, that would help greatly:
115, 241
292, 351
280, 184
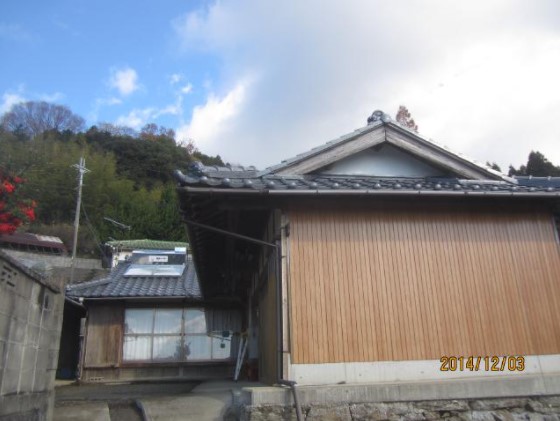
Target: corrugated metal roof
26, 238
146, 244
117, 285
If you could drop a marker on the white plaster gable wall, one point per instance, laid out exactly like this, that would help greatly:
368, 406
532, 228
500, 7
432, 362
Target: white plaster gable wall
383, 161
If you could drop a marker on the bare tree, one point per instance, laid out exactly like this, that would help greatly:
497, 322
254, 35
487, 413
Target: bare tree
152, 131
116, 130
404, 118
36, 117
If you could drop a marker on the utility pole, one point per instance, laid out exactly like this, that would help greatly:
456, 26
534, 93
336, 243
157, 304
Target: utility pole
81, 167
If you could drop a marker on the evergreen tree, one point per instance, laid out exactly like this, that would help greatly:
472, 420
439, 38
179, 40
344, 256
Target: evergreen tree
537, 166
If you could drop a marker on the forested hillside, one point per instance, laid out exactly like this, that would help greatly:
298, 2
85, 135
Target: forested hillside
129, 179
128, 192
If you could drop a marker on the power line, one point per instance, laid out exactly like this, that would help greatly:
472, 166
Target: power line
93, 233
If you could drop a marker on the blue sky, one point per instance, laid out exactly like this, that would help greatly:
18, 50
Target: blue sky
259, 81
72, 53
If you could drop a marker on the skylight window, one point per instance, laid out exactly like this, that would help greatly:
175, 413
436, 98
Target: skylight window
156, 263
155, 270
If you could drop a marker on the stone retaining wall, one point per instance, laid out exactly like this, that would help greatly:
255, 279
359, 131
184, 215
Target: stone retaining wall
545, 408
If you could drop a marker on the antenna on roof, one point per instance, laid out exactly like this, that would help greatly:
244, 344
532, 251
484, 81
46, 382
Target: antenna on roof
117, 224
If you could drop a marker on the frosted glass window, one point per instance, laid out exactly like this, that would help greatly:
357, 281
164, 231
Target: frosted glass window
167, 348
198, 347
139, 320
137, 348
168, 321
195, 321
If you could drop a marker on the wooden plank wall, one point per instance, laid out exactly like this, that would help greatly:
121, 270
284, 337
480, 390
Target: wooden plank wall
104, 335
394, 284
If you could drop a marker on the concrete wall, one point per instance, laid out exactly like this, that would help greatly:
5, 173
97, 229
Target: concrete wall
490, 399
56, 261
85, 269
534, 408
216, 371
30, 323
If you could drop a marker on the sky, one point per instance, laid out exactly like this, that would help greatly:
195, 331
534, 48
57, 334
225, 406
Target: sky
260, 81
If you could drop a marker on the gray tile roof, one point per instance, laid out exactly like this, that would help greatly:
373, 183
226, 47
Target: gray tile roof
538, 181
204, 178
117, 285
249, 179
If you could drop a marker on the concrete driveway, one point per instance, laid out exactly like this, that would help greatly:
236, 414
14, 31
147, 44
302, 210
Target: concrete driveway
146, 401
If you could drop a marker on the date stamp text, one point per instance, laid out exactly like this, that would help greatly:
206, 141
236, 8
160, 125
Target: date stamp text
482, 363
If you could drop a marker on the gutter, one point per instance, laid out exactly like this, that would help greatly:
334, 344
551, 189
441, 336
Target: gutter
73, 302
140, 297
351, 192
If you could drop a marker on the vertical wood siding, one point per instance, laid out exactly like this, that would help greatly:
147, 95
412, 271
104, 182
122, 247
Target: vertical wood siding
104, 335
394, 285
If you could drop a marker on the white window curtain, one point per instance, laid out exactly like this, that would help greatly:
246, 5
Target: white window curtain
180, 334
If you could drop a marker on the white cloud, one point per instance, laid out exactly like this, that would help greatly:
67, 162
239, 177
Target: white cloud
125, 81
210, 121
9, 100
484, 85
54, 97
136, 119
101, 102
175, 78
175, 109
187, 89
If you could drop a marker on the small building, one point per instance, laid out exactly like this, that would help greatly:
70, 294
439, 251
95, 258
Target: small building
149, 320
121, 250
381, 256
33, 243
31, 306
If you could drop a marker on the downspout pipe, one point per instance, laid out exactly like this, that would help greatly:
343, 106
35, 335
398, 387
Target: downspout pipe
292, 385
278, 275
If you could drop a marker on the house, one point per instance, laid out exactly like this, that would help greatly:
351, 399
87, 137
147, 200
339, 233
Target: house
121, 250
381, 256
149, 320
33, 243
31, 305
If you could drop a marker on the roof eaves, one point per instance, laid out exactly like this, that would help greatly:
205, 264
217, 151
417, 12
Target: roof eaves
321, 148
450, 153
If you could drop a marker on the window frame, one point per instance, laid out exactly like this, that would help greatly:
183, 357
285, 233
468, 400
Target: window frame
183, 338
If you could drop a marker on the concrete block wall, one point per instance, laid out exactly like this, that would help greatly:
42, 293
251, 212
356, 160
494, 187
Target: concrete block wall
85, 269
30, 323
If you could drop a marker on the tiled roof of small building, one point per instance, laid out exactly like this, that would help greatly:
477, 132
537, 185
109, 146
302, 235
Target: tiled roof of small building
117, 285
